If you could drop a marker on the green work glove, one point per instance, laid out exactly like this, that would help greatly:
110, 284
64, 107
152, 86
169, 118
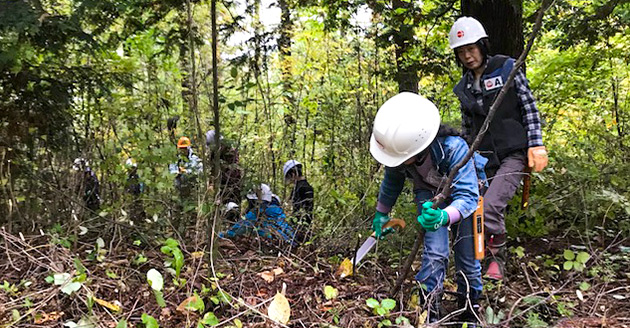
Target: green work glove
380, 219
431, 219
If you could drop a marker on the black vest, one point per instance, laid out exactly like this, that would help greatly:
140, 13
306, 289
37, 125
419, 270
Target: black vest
506, 133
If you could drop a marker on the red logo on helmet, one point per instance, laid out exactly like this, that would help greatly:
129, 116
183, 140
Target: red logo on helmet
460, 33
489, 84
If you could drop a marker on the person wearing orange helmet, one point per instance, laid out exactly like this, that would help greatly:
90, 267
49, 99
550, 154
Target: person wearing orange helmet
187, 168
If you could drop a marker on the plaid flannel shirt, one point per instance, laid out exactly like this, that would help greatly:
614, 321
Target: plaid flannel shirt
526, 102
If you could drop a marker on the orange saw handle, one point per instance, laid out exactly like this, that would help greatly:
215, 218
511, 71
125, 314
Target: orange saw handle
394, 224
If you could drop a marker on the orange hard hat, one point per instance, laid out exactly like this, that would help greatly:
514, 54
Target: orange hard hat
183, 142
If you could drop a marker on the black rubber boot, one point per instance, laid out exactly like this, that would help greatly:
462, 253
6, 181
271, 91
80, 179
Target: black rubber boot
471, 314
431, 303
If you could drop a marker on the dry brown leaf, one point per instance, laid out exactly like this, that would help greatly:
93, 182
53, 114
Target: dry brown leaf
43, 317
182, 306
197, 255
279, 309
111, 306
277, 271
345, 268
267, 276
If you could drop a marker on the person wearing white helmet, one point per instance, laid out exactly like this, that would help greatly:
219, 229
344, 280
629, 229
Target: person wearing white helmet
302, 197
514, 138
409, 140
264, 216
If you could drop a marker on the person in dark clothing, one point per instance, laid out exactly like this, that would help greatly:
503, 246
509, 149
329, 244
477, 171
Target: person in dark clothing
134, 187
89, 187
231, 180
302, 197
514, 137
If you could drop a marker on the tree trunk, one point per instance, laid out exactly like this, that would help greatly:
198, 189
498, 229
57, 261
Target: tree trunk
503, 21
407, 73
284, 47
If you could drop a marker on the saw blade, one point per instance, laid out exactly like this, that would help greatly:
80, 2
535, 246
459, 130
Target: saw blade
364, 249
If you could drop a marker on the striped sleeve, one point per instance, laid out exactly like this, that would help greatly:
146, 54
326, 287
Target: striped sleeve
527, 104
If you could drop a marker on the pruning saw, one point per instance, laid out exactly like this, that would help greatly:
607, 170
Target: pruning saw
371, 240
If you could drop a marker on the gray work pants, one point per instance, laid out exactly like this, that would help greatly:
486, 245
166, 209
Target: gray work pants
503, 185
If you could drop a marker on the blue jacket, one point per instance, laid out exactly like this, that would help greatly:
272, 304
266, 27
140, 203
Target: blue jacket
445, 152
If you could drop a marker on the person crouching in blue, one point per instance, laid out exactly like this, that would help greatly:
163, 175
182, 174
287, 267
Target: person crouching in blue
408, 139
264, 216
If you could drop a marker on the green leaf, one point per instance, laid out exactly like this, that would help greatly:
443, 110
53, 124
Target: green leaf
154, 277
159, 298
79, 266
402, 320
172, 243
372, 303
209, 319
386, 322
122, 323
381, 311
568, 265
233, 72
584, 286
224, 297
388, 304
569, 255
490, 317
578, 266
179, 261
15, 315
49, 279
196, 305
238, 323
149, 321
582, 257
330, 292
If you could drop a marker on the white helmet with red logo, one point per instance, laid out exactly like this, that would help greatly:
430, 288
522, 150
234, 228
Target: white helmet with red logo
405, 125
466, 30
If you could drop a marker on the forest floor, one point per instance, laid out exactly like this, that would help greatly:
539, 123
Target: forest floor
112, 285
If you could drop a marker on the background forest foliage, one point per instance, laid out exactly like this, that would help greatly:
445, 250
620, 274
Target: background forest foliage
98, 79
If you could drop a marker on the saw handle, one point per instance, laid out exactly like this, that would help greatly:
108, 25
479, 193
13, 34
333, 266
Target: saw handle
394, 224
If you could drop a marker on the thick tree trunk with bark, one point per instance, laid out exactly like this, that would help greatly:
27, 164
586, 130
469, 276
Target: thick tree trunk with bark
407, 73
503, 21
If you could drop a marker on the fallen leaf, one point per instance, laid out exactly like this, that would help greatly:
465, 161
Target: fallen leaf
46, 317
111, 306
184, 306
267, 276
579, 295
345, 268
422, 318
279, 309
196, 255
277, 271
330, 292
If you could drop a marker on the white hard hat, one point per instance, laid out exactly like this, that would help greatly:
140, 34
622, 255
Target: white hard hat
210, 137
465, 30
79, 163
265, 193
231, 206
405, 125
289, 165
130, 163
